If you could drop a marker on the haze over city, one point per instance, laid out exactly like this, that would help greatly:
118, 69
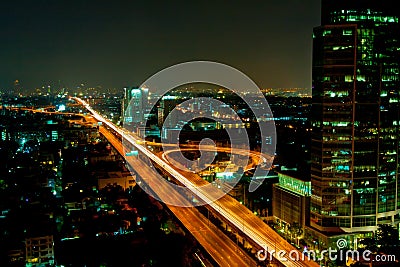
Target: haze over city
113, 44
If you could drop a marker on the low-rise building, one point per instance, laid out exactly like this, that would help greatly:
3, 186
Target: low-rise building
291, 201
39, 251
124, 179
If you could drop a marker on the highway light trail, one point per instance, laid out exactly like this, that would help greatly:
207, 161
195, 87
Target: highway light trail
271, 239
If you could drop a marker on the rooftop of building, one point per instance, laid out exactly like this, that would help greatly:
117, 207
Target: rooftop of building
302, 175
113, 174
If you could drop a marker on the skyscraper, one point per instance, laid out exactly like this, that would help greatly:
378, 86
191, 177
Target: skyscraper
355, 116
135, 105
16, 88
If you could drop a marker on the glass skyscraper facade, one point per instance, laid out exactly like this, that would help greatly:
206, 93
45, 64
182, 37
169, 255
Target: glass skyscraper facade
355, 116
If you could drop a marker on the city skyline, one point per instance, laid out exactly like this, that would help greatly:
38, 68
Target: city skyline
117, 44
240, 134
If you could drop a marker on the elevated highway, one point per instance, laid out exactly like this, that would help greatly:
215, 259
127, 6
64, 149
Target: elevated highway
251, 226
220, 247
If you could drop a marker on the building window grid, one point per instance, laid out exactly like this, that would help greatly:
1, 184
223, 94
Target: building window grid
367, 61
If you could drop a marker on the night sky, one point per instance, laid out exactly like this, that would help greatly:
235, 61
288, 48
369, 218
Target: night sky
118, 43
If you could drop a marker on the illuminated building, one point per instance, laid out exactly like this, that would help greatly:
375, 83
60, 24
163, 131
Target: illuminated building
355, 117
39, 251
135, 105
291, 200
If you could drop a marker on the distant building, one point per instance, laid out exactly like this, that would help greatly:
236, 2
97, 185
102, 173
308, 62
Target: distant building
288, 92
16, 88
166, 105
135, 105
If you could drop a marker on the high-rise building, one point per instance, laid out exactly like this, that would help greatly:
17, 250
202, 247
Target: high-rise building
135, 105
16, 90
355, 116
